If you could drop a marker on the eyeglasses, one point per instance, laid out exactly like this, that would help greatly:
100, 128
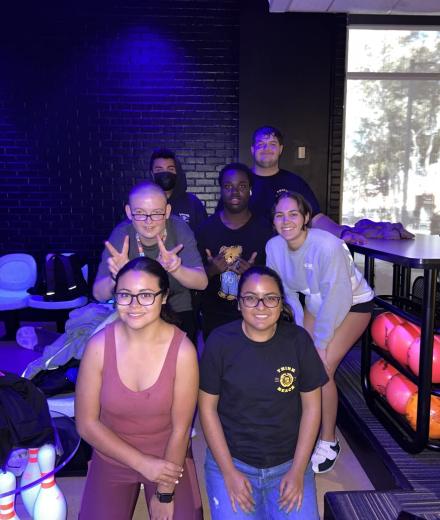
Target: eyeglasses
269, 300
145, 216
143, 298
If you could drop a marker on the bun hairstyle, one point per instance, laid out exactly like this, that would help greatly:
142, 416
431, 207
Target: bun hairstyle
262, 270
152, 267
304, 207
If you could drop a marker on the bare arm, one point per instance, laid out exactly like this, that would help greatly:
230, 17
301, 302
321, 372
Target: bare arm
104, 285
292, 484
239, 487
191, 277
362, 230
87, 410
103, 288
321, 221
186, 386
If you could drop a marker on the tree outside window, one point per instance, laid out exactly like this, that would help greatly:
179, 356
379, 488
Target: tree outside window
392, 128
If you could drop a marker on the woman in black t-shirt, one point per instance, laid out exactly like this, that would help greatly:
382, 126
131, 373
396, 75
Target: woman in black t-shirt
260, 409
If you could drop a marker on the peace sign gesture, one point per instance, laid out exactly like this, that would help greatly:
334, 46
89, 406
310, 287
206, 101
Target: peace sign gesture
169, 259
117, 259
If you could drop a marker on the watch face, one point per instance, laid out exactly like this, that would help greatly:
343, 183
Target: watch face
164, 498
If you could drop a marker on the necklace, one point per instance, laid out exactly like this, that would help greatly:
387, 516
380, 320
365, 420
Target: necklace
140, 246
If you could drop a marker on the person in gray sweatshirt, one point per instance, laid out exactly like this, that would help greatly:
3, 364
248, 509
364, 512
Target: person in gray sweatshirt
338, 300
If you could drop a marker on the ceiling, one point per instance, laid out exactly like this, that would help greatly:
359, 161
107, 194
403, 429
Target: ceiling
409, 7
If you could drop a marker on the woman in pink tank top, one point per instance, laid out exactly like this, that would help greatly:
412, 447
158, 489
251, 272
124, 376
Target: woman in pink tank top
135, 399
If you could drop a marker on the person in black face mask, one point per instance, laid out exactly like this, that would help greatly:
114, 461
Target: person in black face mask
167, 172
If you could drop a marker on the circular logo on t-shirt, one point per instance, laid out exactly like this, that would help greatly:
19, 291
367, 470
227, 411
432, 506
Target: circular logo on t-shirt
285, 380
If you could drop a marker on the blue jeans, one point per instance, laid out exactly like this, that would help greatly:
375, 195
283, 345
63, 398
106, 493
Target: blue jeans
265, 491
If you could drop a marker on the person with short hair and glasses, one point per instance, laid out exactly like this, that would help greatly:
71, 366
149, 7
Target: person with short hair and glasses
260, 408
338, 300
135, 397
150, 230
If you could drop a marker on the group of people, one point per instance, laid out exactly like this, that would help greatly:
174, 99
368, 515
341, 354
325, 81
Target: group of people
281, 303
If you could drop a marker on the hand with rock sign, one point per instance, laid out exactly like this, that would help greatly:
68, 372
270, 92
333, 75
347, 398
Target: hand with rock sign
216, 264
241, 265
169, 260
117, 259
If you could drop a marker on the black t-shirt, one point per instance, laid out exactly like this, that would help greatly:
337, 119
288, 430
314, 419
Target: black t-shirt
259, 387
266, 189
219, 301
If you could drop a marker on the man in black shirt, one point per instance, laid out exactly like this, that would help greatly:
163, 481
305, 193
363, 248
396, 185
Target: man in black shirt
230, 241
269, 181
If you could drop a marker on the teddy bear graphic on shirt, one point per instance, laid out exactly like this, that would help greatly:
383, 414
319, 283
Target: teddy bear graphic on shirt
229, 279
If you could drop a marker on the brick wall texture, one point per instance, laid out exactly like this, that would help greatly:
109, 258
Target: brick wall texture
87, 91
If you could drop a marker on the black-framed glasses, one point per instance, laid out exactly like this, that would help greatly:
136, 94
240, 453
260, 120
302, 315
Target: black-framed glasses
143, 298
269, 300
145, 216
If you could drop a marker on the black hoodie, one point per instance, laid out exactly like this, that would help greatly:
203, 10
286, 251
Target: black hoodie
184, 204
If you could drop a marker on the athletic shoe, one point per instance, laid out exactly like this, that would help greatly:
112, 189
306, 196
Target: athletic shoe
325, 455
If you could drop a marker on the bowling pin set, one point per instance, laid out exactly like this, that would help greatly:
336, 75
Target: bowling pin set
43, 501
402, 340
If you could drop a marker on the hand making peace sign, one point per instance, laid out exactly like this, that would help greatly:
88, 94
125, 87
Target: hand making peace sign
169, 259
117, 259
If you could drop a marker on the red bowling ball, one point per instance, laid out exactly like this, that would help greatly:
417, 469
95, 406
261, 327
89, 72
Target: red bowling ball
382, 326
400, 340
381, 373
414, 358
398, 392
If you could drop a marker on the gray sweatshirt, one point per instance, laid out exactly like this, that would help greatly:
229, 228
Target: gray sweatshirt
323, 270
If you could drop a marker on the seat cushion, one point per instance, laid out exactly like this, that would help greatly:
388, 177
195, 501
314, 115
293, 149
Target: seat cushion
12, 300
38, 302
18, 272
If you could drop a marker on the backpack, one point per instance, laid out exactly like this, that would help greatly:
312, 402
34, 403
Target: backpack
60, 279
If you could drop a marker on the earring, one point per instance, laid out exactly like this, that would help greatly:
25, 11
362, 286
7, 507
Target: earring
250, 192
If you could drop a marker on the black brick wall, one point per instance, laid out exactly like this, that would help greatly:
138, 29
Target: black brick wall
86, 93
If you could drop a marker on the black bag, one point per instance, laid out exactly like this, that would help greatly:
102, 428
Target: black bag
60, 279
60, 380
24, 415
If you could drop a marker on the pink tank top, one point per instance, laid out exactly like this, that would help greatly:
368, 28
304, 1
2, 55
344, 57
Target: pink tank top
142, 419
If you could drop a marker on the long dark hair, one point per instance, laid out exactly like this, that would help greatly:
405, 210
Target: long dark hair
262, 270
153, 267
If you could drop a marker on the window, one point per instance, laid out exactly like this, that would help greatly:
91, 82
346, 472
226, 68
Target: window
392, 127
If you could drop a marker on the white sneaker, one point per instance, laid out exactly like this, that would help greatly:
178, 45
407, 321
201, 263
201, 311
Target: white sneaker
325, 455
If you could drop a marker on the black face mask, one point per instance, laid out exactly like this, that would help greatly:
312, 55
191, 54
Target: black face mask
166, 180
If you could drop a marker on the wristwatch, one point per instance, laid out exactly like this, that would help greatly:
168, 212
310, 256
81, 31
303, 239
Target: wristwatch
165, 498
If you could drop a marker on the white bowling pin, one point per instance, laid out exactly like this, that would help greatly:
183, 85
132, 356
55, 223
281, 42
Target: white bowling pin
7, 483
50, 503
31, 473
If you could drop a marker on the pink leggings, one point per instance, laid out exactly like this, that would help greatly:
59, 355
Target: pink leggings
111, 492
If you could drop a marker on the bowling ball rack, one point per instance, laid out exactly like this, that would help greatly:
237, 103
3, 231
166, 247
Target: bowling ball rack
423, 253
